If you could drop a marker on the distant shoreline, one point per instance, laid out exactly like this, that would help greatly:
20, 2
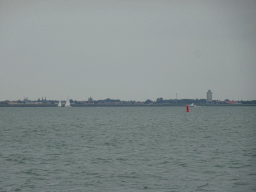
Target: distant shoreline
123, 105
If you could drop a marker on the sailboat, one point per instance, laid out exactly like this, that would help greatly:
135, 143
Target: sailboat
192, 105
59, 105
67, 103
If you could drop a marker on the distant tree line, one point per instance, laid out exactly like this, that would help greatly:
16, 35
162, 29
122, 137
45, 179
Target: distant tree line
180, 101
108, 100
159, 100
247, 102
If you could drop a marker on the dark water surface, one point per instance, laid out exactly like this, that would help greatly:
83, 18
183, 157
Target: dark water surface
128, 149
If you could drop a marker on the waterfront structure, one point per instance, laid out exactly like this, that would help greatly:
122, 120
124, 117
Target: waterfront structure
90, 100
209, 96
230, 102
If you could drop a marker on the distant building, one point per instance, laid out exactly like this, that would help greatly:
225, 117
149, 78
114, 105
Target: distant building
25, 99
90, 99
13, 102
230, 102
209, 96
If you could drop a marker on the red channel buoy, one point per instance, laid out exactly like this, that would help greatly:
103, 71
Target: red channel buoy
187, 108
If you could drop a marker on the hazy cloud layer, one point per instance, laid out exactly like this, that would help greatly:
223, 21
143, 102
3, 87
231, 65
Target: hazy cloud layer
128, 50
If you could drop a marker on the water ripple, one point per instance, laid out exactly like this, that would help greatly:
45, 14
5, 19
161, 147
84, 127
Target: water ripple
128, 149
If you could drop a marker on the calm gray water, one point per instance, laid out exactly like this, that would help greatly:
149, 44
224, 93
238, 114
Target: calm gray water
128, 149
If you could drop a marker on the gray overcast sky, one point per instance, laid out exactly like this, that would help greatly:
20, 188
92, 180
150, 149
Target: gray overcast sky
128, 50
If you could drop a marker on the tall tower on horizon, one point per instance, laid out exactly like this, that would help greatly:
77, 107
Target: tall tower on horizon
209, 96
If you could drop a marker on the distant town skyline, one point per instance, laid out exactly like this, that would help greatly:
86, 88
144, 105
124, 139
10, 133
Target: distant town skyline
127, 50
208, 98
117, 102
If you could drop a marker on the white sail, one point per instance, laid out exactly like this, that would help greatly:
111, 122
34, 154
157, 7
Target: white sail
59, 105
67, 103
192, 105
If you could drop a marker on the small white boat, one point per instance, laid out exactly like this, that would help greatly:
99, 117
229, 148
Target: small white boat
67, 103
59, 105
192, 105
